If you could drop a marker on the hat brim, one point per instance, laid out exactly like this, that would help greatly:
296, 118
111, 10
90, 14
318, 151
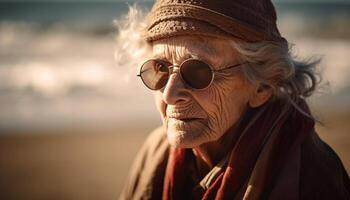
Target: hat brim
183, 27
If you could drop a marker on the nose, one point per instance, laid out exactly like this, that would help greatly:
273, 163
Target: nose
175, 91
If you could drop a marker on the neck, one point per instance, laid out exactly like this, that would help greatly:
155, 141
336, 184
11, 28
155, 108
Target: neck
209, 154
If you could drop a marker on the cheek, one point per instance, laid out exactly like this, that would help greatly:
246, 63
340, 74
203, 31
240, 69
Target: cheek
224, 103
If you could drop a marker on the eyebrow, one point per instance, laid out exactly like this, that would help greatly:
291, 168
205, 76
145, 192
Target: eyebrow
205, 53
163, 57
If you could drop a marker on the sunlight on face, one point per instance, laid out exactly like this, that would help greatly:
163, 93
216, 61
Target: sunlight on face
194, 117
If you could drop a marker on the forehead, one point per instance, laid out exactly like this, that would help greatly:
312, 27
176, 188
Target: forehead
176, 49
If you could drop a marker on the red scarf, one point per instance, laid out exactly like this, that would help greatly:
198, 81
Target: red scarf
288, 128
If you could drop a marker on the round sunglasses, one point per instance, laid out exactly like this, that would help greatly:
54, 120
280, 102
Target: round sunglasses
195, 73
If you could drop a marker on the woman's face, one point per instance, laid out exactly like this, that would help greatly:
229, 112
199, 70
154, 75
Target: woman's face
194, 117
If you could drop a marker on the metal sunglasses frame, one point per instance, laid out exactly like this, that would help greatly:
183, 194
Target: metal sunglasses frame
171, 66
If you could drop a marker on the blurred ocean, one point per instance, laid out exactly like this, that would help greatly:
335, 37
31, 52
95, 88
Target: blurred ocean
58, 68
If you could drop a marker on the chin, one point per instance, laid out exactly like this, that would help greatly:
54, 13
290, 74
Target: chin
182, 135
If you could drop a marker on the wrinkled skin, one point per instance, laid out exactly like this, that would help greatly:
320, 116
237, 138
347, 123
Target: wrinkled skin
198, 119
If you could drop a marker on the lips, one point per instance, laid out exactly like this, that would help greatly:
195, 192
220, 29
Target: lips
186, 119
188, 113
189, 119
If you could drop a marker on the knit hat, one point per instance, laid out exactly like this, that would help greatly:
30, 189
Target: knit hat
248, 20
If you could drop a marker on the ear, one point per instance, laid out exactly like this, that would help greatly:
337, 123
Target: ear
260, 95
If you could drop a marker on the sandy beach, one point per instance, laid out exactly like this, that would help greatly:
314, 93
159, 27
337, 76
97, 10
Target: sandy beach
73, 165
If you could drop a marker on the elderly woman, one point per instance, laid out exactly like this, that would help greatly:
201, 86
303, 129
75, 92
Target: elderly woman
235, 122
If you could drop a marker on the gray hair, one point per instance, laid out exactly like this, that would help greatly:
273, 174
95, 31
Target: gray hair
271, 65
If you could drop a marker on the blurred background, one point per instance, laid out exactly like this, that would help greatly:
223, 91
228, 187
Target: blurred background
73, 114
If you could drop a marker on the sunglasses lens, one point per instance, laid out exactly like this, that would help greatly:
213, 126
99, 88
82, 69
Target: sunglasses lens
196, 74
154, 74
